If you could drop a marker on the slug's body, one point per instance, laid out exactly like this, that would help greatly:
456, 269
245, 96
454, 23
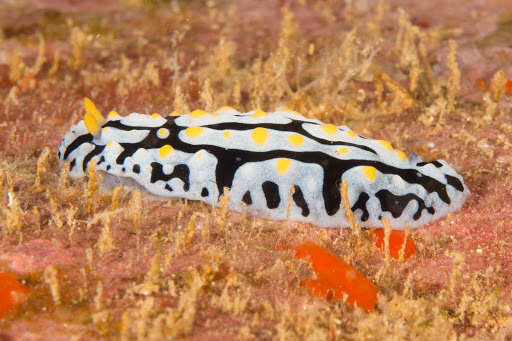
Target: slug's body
277, 165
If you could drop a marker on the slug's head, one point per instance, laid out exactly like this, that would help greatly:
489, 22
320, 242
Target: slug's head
77, 146
448, 186
414, 195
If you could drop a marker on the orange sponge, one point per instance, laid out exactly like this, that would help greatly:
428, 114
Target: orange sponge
336, 277
396, 241
12, 293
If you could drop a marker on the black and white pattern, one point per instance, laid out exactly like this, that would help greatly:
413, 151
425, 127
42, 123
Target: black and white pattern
269, 161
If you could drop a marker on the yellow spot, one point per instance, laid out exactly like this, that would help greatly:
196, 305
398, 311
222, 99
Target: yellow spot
342, 150
259, 113
386, 144
351, 133
283, 165
106, 130
175, 113
369, 172
110, 143
259, 135
215, 114
113, 114
133, 132
226, 107
401, 155
295, 140
193, 131
91, 124
199, 154
91, 109
165, 150
162, 133
155, 115
330, 129
197, 113
226, 134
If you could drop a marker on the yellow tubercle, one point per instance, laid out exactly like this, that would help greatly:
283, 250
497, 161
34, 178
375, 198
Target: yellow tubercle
193, 131
226, 107
259, 113
162, 133
386, 144
155, 115
350, 133
197, 113
165, 151
226, 134
259, 135
215, 114
175, 113
369, 172
342, 150
113, 114
330, 129
295, 140
401, 155
283, 165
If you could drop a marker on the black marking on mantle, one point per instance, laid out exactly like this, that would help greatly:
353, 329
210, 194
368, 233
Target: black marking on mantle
229, 161
453, 181
396, 204
180, 171
87, 138
97, 150
298, 197
271, 191
361, 205
437, 164
204, 192
247, 198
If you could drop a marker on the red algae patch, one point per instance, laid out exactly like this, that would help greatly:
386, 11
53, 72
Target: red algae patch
12, 293
396, 243
336, 278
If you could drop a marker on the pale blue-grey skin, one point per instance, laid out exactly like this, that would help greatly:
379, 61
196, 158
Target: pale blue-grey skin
202, 159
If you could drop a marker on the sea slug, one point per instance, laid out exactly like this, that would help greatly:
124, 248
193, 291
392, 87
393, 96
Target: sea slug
278, 165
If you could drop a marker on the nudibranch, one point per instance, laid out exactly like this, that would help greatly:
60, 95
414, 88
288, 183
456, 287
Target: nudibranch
277, 165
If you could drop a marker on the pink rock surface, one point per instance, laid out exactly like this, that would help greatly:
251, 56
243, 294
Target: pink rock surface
35, 255
480, 232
